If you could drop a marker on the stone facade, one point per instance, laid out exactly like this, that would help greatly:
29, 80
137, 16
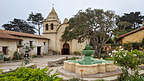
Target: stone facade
53, 29
133, 36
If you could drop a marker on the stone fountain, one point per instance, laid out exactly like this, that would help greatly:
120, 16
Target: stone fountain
88, 65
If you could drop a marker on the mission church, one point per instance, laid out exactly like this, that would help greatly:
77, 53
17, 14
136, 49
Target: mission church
53, 29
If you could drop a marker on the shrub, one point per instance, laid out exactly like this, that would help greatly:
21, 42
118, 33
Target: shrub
33, 56
1, 70
73, 58
142, 43
110, 59
99, 80
135, 78
132, 78
74, 79
1, 56
128, 46
104, 55
29, 74
55, 52
142, 60
16, 56
128, 60
136, 45
77, 53
6, 59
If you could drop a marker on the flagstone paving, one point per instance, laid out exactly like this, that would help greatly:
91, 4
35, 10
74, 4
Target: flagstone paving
41, 62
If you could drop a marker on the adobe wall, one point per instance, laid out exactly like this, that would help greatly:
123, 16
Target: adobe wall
135, 37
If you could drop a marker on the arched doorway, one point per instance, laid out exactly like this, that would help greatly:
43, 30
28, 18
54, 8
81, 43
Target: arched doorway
65, 49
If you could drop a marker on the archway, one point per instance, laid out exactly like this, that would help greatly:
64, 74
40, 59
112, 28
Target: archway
65, 49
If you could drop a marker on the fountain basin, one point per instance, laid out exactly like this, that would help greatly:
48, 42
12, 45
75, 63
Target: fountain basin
88, 69
89, 65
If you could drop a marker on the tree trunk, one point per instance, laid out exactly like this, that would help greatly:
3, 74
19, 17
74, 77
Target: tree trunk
95, 54
98, 53
39, 29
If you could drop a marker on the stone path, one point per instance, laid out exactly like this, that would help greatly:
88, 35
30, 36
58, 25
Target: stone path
41, 62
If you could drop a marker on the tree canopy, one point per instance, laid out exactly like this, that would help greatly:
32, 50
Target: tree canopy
134, 19
128, 22
19, 25
95, 25
36, 19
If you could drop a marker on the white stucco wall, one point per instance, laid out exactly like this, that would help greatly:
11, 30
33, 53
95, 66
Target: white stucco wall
11, 44
36, 43
52, 41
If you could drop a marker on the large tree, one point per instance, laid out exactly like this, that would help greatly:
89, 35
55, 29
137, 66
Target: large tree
95, 25
134, 19
19, 25
36, 19
123, 27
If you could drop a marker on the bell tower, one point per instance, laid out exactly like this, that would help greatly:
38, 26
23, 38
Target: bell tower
50, 26
51, 23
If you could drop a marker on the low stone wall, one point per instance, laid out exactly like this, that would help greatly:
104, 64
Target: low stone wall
57, 62
89, 69
70, 66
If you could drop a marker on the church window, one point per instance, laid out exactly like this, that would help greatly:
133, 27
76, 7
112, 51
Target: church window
52, 26
31, 43
46, 26
20, 42
5, 50
44, 43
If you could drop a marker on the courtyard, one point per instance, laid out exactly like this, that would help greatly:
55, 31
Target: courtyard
42, 62
61, 40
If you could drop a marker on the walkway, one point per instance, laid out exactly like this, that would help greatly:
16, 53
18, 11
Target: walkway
41, 62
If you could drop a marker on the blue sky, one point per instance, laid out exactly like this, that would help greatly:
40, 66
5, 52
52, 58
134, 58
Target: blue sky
10, 9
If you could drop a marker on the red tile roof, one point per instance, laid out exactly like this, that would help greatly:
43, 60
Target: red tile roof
131, 32
7, 36
20, 34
